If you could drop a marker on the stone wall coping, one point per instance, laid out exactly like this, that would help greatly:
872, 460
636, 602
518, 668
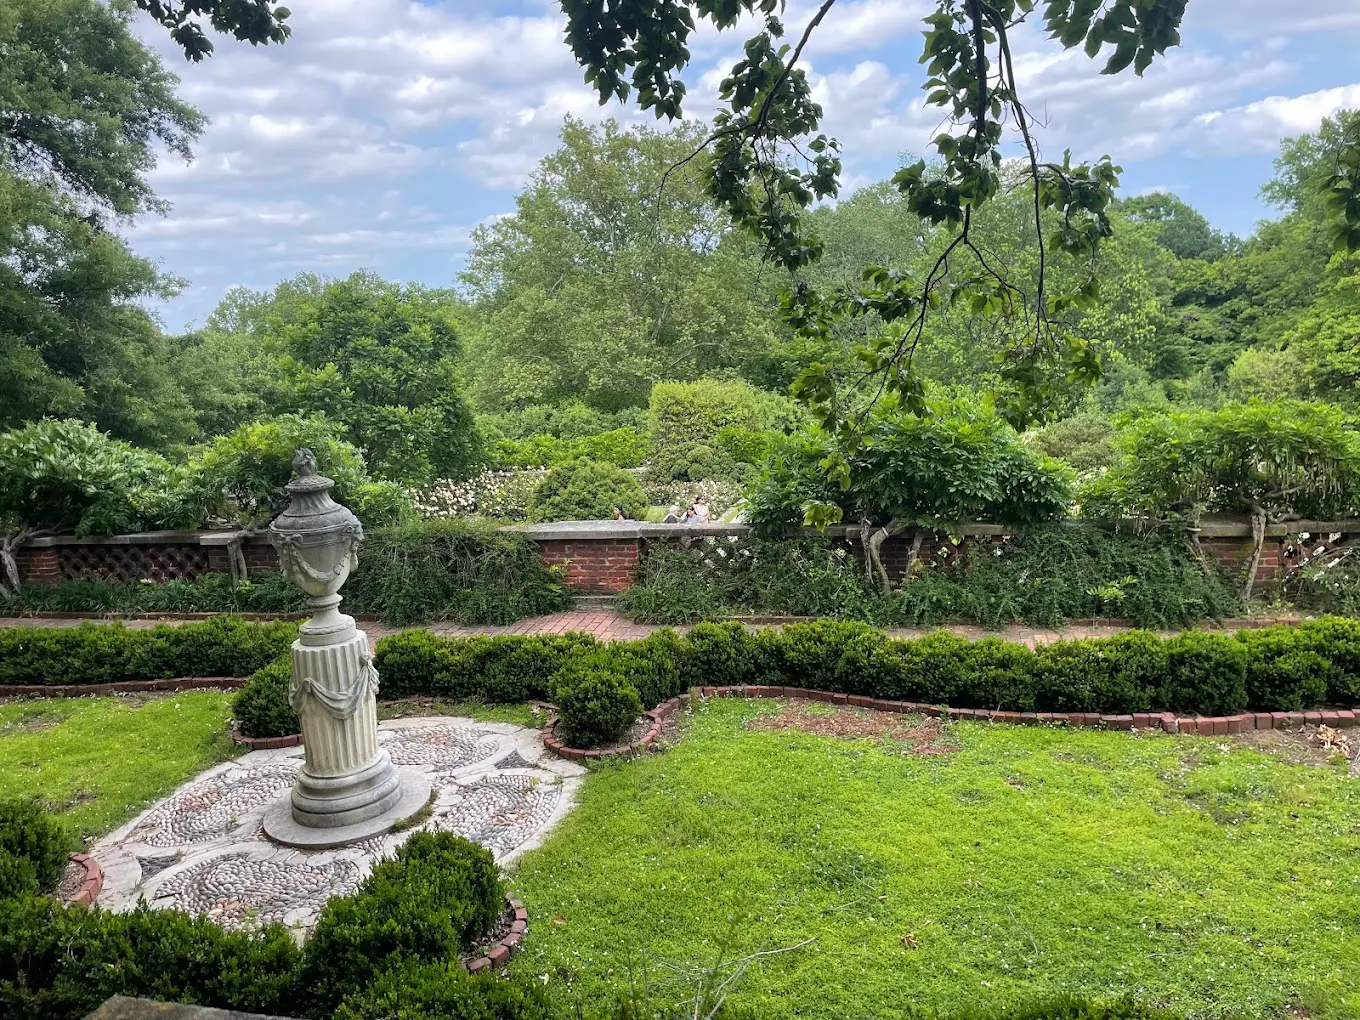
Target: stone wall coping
205, 538
123, 1007
558, 531
601, 531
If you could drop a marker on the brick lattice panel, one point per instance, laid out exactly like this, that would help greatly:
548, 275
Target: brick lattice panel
126, 564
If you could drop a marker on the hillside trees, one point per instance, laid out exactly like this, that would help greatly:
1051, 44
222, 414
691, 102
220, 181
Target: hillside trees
84, 107
603, 282
770, 164
377, 357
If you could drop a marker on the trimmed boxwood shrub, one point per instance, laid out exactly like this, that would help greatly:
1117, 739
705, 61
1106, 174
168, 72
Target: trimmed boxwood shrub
1206, 674
261, 706
110, 653
587, 490
596, 702
59, 963
495, 669
438, 895
445, 991
33, 847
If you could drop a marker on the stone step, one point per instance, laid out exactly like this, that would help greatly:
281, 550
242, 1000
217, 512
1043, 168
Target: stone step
594, 603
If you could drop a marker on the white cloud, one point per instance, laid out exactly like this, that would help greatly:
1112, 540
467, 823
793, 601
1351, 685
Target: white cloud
383, 128
1259, 126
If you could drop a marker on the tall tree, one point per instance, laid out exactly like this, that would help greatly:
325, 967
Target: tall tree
378, 357
1179, 228
770, 164
83, 107
613, 272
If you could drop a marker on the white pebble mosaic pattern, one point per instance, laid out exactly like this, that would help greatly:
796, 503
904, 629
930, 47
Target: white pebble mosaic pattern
202, 849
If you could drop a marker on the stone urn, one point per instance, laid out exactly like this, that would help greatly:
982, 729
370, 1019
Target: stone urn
348, 788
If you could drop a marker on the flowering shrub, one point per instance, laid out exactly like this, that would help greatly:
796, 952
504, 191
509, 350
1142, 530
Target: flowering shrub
502, 494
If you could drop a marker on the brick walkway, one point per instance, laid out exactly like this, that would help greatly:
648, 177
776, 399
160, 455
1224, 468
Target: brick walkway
607, 626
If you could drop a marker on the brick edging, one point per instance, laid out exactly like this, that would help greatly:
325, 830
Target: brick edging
656, 715
93, 884
262, 743
181, 683
499, 954
1168, 722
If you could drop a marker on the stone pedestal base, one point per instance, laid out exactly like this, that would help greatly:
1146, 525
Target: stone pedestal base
281, 825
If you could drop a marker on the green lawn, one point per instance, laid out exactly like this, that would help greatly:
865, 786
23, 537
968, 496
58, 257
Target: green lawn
98, 761
1188, 871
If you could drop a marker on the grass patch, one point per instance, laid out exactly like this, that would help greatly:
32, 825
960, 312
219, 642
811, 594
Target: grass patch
98, 761
1190, 872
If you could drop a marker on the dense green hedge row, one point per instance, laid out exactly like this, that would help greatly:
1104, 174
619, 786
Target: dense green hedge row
1200, 672
109, 653
403, 928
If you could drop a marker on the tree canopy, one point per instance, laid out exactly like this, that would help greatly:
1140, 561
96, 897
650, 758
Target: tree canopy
770, 164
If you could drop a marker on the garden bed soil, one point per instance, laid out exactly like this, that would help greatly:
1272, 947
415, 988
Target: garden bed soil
1307, 745
71, 882
915, 735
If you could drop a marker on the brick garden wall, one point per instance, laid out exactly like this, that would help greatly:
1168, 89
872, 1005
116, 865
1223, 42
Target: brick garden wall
598, 566
597, 557
127, 559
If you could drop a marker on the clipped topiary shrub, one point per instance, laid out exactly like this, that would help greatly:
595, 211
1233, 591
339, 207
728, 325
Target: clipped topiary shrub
445, 991
261, 707
587, 490
595, 704
437, 896
33, 847
1206, 674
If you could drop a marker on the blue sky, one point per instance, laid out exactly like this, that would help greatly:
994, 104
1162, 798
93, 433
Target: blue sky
384, 131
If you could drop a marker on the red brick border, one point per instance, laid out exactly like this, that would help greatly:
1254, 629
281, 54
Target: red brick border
263, 743
656, 716
181, 683
1168, 722
499, 954
94, 880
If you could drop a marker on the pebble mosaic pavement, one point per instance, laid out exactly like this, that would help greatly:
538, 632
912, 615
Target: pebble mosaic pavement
203, 850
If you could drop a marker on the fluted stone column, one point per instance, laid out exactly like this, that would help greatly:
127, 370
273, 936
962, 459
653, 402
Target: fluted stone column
348, 788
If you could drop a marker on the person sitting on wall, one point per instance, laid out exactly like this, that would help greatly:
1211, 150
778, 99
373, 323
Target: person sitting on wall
672, 516
702, 513
619, 515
